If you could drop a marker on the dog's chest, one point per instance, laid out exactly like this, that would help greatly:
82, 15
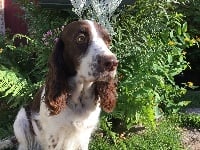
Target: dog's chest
67, 129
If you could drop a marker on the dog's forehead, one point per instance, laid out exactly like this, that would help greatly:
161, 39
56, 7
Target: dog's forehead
93, 29
98, 31
75, 27
87, 26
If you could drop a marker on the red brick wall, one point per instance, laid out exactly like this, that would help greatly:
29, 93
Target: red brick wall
13, 21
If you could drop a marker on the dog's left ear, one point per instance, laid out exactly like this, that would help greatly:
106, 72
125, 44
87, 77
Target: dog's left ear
55, 89
107, 93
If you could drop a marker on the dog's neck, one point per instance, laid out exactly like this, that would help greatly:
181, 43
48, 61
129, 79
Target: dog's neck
82, 93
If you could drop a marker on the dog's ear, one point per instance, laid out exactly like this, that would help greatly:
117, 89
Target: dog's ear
107, 93
56, 81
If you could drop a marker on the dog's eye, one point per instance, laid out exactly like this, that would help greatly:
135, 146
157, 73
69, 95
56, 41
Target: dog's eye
81, 38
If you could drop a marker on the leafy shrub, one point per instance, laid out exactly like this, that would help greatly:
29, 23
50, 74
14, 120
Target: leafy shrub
191, 11
150, 40
15, 85
189, 120
6, 121
23, 67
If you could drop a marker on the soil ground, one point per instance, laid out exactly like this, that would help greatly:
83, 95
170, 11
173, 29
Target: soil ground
190, 136
191, 139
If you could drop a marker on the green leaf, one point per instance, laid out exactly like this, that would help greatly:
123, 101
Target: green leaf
169, 58
171, 34
179, 30
184, 27
184, 103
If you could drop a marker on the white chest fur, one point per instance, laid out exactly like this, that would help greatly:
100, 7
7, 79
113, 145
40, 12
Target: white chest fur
69, 129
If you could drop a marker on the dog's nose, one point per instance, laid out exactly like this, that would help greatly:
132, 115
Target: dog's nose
107, 63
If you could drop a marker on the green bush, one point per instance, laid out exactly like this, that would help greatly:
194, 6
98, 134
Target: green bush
186, 120
23, 67
191, 11
150, 41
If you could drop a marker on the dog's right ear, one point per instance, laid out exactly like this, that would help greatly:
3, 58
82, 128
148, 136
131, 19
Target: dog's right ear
56, 82
107, 92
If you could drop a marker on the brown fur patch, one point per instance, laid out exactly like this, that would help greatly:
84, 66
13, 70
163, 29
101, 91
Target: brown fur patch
107, 93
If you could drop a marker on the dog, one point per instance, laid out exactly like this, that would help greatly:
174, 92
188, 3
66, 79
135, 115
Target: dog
79, 83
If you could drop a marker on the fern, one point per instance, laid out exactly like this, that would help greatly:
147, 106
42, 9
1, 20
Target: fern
14, 87
11, 83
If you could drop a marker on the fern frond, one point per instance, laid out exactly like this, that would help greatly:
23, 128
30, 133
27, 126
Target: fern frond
15, 87
11, 82
21, 36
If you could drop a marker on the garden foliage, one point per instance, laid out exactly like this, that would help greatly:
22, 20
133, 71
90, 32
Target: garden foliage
23, 67
192, 12
150, 39
164, 137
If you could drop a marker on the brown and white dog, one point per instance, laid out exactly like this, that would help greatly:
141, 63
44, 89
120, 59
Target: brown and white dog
80, 82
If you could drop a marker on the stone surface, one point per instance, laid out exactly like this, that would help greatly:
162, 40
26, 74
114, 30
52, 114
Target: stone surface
191, 139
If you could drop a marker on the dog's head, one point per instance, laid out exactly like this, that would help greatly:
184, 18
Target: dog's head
82, 51
86, 51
